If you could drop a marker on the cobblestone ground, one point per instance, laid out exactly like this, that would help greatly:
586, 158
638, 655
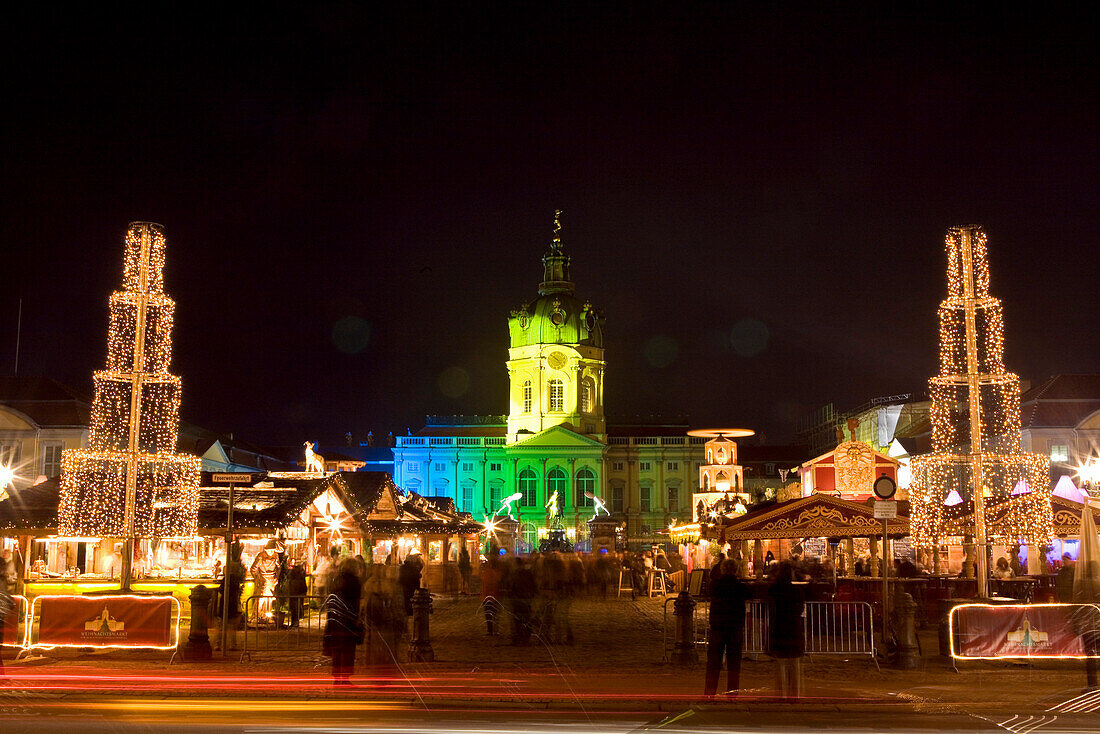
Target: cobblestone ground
618, 648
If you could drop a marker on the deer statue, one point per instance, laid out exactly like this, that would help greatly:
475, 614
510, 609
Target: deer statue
314, 461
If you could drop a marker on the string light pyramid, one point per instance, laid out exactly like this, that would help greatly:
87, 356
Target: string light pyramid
976, 422
130, 483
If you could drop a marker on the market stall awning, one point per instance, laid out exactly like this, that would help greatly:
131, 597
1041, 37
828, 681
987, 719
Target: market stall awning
1067, 516
816, 516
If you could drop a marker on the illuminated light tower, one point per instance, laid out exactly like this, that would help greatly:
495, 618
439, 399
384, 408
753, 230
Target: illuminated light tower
976, 423
130, 483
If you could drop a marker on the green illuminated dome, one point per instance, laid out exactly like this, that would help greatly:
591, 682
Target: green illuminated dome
557, 316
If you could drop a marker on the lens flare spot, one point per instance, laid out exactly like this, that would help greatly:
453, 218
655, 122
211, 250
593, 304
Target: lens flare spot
661, 351
351, 334
749, 337
454, 382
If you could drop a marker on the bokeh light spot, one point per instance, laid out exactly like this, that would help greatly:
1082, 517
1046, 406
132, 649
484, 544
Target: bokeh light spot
351, 334
661, 351
454, 382
749, 337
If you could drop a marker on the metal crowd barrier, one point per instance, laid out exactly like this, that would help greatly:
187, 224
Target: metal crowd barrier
828, 628
270, 625
20, 611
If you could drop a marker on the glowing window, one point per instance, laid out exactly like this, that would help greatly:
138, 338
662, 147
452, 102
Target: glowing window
1059, 452
557, 396
528, 486
586, 396
527, 397
555, 482
586, 482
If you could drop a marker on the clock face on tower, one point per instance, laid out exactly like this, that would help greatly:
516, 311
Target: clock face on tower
556, 360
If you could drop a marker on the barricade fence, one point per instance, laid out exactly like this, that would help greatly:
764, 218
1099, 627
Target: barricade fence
828, 628
280, 624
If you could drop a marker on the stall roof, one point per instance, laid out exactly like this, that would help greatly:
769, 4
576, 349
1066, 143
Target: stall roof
819, 515
32, 508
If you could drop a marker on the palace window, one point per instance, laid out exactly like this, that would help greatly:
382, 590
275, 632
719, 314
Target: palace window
51, 459
528, 487
9, 454
467, 496
527, 397
673, 499
412, 467
644, 495
586, 396
440, 466
586, 482
617, 465
555, 482
672, 466
467, 466
557, 396
643, 466
1059, 452
494, 467
617, 502
496, 493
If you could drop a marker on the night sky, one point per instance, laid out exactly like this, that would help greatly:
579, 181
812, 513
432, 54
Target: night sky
355, 197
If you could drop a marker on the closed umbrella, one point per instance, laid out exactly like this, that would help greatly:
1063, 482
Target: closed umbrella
1086, 578
1086, 590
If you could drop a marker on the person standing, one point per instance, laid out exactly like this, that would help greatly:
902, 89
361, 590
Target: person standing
490, 593
343, 628
522, 590
787, 645
409, 579
232, 582
464, 569
728, 595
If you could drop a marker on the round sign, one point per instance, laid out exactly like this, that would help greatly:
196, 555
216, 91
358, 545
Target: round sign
885, 487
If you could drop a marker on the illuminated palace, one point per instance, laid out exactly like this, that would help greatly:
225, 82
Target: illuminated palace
555, 441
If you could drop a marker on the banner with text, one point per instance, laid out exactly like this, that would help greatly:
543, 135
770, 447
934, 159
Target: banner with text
106, 621
1022, 630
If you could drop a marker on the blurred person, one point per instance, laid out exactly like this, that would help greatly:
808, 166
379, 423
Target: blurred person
296, 589
464, 569
232, 583
728, 595
1003, 570
603, 570
491, 574
786, 645
7, 602
522, 590
343, 628
409, 580
1063, 582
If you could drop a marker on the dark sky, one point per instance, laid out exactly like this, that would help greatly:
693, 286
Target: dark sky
356, 195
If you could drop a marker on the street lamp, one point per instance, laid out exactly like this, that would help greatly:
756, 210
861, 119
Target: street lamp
7, 479
1089, 475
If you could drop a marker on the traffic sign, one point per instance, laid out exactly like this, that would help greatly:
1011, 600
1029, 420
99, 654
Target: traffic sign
886, 509
885, 487
231, 478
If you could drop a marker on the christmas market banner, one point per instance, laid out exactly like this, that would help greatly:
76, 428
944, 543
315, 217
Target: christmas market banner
107, 621
983, 631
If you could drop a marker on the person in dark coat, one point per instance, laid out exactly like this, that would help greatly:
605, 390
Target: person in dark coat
787, 646
232, 582
296, 588
522, 590
343, 628
409, 579
464, 569
728, 595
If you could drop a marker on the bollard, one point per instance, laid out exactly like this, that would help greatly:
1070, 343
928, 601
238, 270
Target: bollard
198, 641
905, 625
420, 646
683, 609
